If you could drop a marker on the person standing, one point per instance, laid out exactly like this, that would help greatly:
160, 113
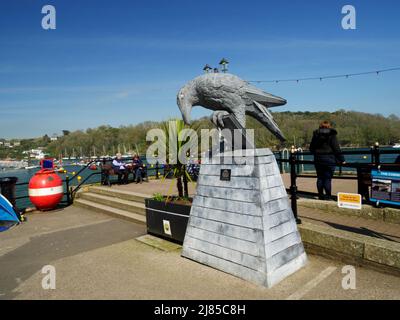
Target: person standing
327, 154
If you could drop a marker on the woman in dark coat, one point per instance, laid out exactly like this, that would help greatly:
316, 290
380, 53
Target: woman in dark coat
327, 155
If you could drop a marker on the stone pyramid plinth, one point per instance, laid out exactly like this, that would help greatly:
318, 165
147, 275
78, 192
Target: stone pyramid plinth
241, 221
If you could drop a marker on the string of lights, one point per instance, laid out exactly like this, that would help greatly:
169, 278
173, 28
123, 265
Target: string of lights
348, 75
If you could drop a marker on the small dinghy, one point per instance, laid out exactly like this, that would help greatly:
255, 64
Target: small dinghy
8, 216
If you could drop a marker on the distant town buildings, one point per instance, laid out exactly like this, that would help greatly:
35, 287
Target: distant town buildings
35, 153
9, 144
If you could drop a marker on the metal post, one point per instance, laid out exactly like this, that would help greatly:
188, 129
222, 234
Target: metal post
157, 170
281, 162
372, 156
293, 186
68, 194
377, 155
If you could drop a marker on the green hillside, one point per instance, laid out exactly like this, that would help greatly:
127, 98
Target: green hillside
355, 129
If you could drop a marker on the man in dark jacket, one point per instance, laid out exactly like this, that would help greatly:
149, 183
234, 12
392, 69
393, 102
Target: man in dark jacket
327, 154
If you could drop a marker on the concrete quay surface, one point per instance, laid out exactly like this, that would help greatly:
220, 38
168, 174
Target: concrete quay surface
98, 257
370, 222
331, 231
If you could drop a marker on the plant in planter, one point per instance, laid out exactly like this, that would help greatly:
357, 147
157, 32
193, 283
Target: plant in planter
167, 216
174, 129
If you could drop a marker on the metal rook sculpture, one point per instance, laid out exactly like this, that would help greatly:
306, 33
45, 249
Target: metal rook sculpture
240, 221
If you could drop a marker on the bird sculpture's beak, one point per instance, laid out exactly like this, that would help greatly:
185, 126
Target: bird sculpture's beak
185, 110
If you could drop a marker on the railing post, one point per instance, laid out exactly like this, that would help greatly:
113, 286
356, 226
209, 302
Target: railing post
377, 154
293, 186
68, 192
297, 162
157, 168
281, 162
372, 156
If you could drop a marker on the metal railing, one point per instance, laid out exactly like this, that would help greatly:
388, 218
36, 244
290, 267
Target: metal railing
71, 190
296, 159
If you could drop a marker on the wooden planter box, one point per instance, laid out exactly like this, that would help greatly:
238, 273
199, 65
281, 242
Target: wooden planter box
167, 220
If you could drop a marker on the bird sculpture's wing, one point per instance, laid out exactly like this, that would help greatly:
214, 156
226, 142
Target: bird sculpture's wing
263, 97
260, 102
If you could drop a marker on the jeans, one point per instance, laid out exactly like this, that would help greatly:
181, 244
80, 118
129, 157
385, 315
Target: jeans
324, 178
138, 174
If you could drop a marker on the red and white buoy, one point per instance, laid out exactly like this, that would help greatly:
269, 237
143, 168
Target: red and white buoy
45, 189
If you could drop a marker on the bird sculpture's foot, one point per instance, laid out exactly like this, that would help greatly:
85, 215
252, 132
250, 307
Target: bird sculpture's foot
217, 118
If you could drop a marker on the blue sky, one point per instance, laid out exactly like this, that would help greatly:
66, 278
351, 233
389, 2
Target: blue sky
122, 62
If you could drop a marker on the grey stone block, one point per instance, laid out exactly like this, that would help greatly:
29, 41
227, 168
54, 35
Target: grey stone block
227, 266
274, 193
276, 246
268, 170
242, 207
236, 170
255, 263
244, 226
274, 277
278, 218
247, 183
223, 228
285, 256
225, 241
244, 220
265, 159
279, 231
276, 205
228, 193
270, 181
